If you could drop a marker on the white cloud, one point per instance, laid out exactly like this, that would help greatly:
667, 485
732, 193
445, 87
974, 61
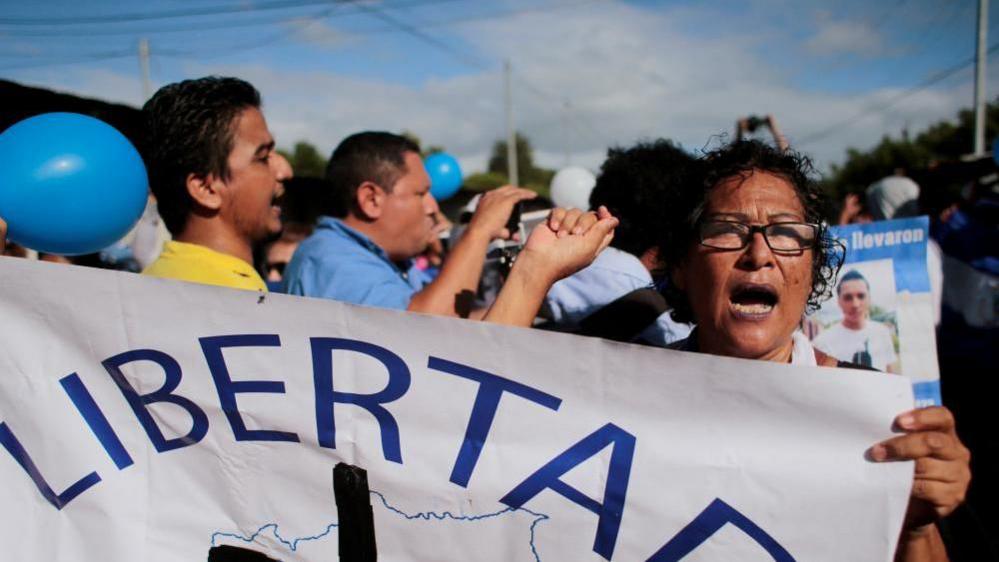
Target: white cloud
839, 37
317, 33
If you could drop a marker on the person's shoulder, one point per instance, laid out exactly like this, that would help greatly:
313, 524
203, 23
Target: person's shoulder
830, 332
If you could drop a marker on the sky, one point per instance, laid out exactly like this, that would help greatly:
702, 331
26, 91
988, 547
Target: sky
586, 74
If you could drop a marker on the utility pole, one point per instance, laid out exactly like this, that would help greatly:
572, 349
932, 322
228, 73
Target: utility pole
511, 133
980, 63
566, 139
147, 88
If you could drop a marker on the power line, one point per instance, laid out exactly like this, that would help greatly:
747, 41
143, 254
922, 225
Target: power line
495, 15
202, 26
187, 27
166, 14
250, 45
581, 124
935, 78
427, 38
474, 61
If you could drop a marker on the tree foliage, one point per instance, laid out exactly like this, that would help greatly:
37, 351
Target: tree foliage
941, 142
484, 181
424, 152
530, 175
306, 160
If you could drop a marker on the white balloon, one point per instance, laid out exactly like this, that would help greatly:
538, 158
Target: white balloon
571, 187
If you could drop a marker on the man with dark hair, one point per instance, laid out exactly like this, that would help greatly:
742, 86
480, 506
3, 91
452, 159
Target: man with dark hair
216, 178
381, 192
857, 338
635, 184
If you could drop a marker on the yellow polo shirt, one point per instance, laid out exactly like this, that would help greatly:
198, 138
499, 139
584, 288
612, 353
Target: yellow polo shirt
199, 264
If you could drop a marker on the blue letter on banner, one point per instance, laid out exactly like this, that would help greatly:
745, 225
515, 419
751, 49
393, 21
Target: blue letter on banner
95, 418
227, 389
139, 402
322, 372
610, 511
491, 388
13, 446
707, 523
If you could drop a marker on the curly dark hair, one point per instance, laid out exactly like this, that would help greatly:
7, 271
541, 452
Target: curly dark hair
374, 156
637, 184
188, 129
740, 158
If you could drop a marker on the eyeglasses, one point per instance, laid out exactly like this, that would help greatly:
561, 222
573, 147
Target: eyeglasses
780, 236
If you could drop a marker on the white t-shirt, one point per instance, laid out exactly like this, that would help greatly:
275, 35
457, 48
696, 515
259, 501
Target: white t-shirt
870, 346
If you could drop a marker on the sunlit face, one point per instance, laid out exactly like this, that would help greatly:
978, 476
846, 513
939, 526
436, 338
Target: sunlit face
250, 193
748, 302
854, 301
407, 217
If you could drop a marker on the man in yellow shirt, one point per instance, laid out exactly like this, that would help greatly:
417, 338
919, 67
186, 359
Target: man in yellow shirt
216, 177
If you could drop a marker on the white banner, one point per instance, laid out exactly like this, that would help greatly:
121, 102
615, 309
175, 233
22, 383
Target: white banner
144, 419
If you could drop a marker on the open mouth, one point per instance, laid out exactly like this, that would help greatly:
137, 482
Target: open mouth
750, 299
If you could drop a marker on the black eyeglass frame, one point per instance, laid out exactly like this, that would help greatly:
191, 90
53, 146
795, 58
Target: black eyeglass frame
762, 229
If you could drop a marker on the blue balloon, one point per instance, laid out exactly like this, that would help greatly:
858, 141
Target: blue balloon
445, 175
69, 184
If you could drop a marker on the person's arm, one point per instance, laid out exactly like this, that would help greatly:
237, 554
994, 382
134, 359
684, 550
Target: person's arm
463, 267
3, 235
924, 545
779, 137
566, 243
942, 476
851, 208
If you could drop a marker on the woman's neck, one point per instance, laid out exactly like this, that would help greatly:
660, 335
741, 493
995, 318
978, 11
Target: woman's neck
780, 354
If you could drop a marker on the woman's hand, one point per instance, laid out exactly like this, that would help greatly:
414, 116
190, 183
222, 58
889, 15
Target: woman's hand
942, 472
566, 243
569, 241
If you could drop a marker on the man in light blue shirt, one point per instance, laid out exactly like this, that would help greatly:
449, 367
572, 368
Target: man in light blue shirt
613, 274
381, 216
636, 185
361, 273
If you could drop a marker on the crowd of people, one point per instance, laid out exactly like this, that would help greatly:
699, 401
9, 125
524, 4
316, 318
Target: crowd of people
720, 254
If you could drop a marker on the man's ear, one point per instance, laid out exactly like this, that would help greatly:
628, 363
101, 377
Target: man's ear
205, 190
650, 259
370, 200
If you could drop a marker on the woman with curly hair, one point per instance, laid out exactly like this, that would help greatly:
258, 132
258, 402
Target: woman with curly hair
748, 254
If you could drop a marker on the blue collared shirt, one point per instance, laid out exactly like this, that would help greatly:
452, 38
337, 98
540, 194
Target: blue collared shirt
613, 274
338, 262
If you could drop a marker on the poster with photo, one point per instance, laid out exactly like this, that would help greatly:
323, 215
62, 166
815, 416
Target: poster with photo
881, 311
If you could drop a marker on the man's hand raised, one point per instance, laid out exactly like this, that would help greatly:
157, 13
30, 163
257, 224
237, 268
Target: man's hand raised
494, 209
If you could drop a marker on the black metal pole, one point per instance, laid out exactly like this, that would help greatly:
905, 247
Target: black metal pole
356, 527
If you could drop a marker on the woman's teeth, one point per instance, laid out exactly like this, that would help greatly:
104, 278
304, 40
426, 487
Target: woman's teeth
755, 308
